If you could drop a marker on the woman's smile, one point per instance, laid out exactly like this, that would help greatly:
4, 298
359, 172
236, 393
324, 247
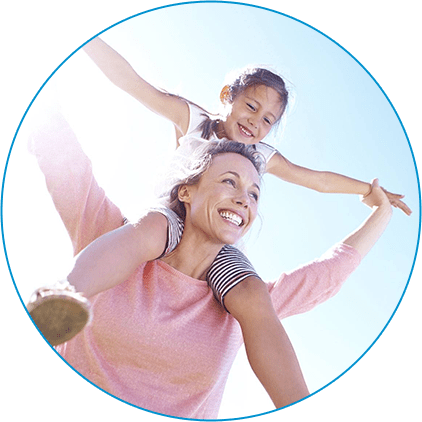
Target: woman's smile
224, 203
232, 217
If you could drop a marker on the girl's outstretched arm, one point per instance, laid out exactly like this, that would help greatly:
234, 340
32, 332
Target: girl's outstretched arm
121, 73
325, 181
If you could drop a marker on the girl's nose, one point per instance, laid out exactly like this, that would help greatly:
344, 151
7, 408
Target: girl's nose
252, 121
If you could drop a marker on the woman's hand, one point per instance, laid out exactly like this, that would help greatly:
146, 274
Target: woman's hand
394, 199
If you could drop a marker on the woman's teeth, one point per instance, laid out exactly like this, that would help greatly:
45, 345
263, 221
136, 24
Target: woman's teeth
233, 218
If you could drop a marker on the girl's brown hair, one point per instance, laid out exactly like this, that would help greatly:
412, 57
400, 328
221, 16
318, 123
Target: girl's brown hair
251, 76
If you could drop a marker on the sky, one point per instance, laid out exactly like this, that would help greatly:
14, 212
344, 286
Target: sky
341, 121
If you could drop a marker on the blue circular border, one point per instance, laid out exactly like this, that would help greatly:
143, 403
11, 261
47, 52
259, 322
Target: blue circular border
313, 28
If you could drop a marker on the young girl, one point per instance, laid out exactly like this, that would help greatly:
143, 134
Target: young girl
255, 103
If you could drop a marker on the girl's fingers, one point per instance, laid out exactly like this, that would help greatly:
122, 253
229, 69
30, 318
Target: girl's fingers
401, 205
404, 208
397, 195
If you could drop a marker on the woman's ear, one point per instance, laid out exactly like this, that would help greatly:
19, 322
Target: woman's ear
225, 95
184, 194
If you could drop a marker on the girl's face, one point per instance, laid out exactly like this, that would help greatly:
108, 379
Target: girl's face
224, 204
252, 114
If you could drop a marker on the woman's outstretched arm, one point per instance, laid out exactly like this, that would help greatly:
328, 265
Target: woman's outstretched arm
365, 237
306, 287
269, 350
107, 251
268, 347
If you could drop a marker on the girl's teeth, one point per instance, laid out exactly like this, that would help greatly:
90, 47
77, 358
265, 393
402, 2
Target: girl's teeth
245, 131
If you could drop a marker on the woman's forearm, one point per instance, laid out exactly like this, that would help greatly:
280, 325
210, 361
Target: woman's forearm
365, 237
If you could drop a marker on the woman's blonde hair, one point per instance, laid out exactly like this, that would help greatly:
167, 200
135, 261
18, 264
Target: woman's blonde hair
188, 171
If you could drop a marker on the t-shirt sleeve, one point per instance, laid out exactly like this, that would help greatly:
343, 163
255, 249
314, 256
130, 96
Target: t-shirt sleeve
196, 117
83, 206
266, 150
306, 287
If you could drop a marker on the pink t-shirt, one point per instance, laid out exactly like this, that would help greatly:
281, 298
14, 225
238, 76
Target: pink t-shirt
160, 340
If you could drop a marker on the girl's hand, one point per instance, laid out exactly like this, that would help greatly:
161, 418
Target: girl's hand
396, 201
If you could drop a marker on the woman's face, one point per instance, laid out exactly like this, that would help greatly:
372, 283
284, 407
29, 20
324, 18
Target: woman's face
224, 204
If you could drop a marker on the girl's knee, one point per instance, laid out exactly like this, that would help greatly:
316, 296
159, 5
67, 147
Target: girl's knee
153, 220
150, 234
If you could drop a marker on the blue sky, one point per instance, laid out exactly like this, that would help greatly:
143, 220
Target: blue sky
341, 122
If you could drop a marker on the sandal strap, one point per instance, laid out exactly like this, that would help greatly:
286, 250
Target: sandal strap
56, 288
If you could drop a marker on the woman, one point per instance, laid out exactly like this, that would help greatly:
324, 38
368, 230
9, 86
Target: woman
160, 340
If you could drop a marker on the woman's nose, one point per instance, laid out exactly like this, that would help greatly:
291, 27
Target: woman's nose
243, 200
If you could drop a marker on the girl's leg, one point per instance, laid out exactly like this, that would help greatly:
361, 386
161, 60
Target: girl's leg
59, 312
268, 347
62, 310
113, 257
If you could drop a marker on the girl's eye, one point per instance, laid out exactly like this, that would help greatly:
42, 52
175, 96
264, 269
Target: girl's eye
251, 106
268, 121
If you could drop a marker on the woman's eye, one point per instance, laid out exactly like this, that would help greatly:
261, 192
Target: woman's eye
255, 196
230, 182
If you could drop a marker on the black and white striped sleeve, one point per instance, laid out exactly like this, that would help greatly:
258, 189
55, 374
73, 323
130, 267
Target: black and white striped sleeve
229, 268
174, 229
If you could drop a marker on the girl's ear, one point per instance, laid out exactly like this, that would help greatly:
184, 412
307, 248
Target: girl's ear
184, 194
225, 95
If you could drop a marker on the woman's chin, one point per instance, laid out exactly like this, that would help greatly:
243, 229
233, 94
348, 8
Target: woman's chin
230, 239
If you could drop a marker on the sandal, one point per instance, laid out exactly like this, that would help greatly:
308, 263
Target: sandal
59, 312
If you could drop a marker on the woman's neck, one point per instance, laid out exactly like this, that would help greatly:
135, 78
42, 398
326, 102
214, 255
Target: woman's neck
193, 256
